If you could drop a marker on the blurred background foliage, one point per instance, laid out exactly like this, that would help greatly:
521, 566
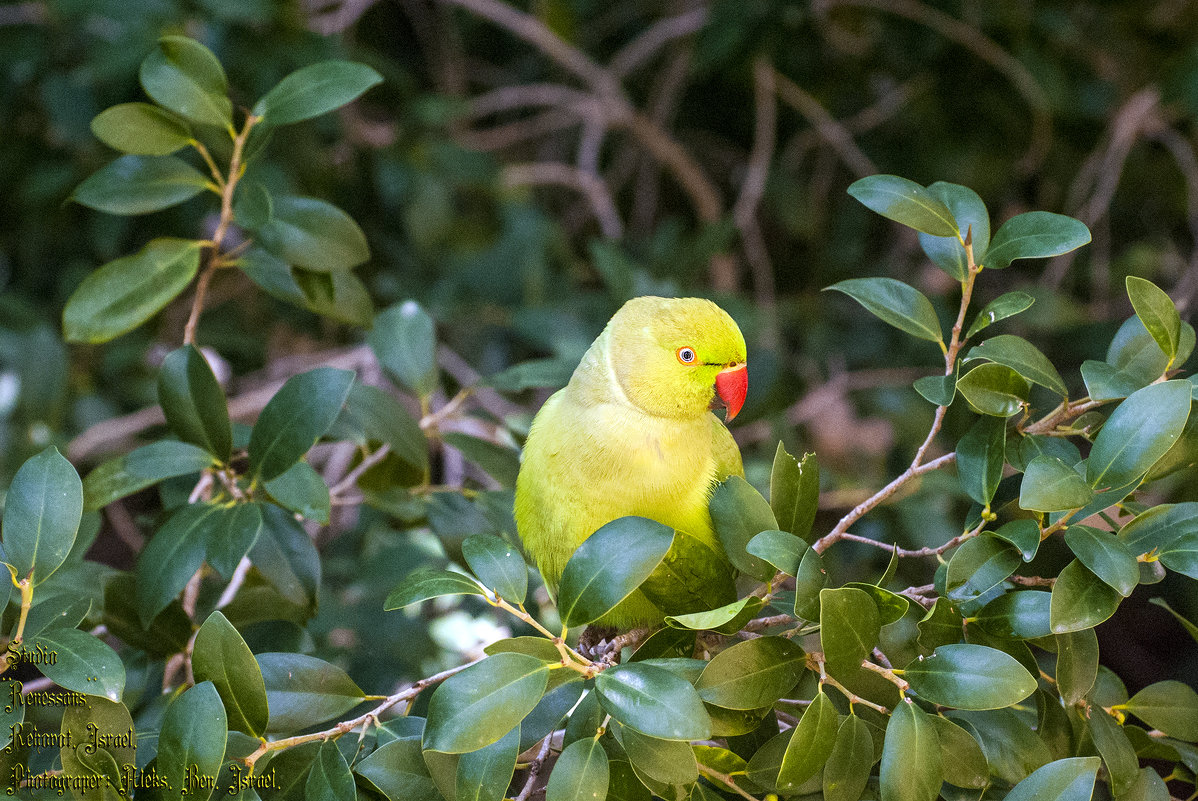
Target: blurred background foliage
521, 175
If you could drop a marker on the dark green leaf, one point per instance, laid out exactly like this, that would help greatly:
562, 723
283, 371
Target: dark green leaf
194, 403
1033, 235
484, 775
1136, 354
846, 772
969, 677
126, 292
192, 741
960, 755
1050, 485
941, 625
498, 565
809, 582
295, 418
313, 234
767, 760
231, 532
609, 566
1115, 749
172, 557
580, 774
501, 463
781, 549
980, 564
253, 205
811, 745
398, 771
794, 493
896, 303
1080, 600
485, 701
302, 691
110, 757
140, 185
947, 252
905, 202
911, 769
1063, 780
337, 295
141, 129
41, 515
376, 416
301, 490
1181, 555
1012, 749
1077, 664
1023, 615
330, 779
1187, 625
1159, 527
668, 762
404, 339
1156, 311
1000, 308
424, 583
891, 606
83, 663
550, 373
221, 656
1104, 382
1106, 556
752, 674
184, 76
57, 611
1023, 534
1168, 706
849, 628
981, 454
1138, 433
739, 513
313, 90
1024, 358
653, 701
141, 468
994, 389
285, 556
937, 389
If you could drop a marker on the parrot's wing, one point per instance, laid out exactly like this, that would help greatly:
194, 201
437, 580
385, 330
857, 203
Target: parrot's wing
726, 452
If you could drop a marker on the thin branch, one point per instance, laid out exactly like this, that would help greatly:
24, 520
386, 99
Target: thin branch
351, 478
826, 126
654, 38
587, 183
726, 780
534, 770
752, 189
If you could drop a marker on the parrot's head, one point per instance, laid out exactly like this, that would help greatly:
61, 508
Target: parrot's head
674, 357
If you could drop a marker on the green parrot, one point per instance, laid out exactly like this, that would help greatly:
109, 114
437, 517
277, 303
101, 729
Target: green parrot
633, 434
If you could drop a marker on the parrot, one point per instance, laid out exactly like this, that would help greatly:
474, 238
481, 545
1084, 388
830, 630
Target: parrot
632, 433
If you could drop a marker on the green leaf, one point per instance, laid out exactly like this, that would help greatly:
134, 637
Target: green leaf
969, 677
398, 771
1138, 433
1022, 615
1002, 307
937, 389
484, 775
905, 202
285, 556
794, 493
911, 769
1023, 534
1168, 706
765, 763
221, 656
1080, 600
141, 468
485, 701
375, 416
653, 701
981, 454
784, 551
846, 772
313, 234
994, 389
253, 205
1159, 527
337, 295
140, 185
330, 779
404, 338
500, 462
1187, 625
84, 663
581, 773
302, 691
849, 628
739, 513
126, 292
301, 490
896, 303
185, 77
498, 565
141, 129
231, 533
111, 757
551, 373
1181, 555
172, 557
1033, 235
726, 619
981, 563
295, 418
608, 566
969, 212
1106, 556
809, 582
1156, 311
1104, 382
752, 674
41, 515
1136, 354
960, 755
192, 741
940, 625
1077, 664
811, 745
1115, 749
194, 403
424, 583
1064, 780
1050, 485
1023, 357
891, 606
314, 90
669, 762
1012, 749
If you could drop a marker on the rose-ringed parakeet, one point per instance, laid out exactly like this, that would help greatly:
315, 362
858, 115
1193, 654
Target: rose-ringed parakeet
633, 434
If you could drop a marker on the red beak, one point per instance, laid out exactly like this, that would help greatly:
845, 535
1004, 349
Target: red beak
732, 384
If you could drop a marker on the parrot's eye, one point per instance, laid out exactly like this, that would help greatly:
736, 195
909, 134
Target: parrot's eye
686, 355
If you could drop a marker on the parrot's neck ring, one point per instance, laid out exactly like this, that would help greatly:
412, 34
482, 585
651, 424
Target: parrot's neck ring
613, 381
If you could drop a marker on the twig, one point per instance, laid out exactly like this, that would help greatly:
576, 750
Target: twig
766, 622
654, 38
590, 185
744, 211
826, 126
235, 582
351, 478
534, 770
726, 780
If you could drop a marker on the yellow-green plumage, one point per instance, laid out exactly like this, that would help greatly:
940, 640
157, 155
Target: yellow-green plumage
631, 434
